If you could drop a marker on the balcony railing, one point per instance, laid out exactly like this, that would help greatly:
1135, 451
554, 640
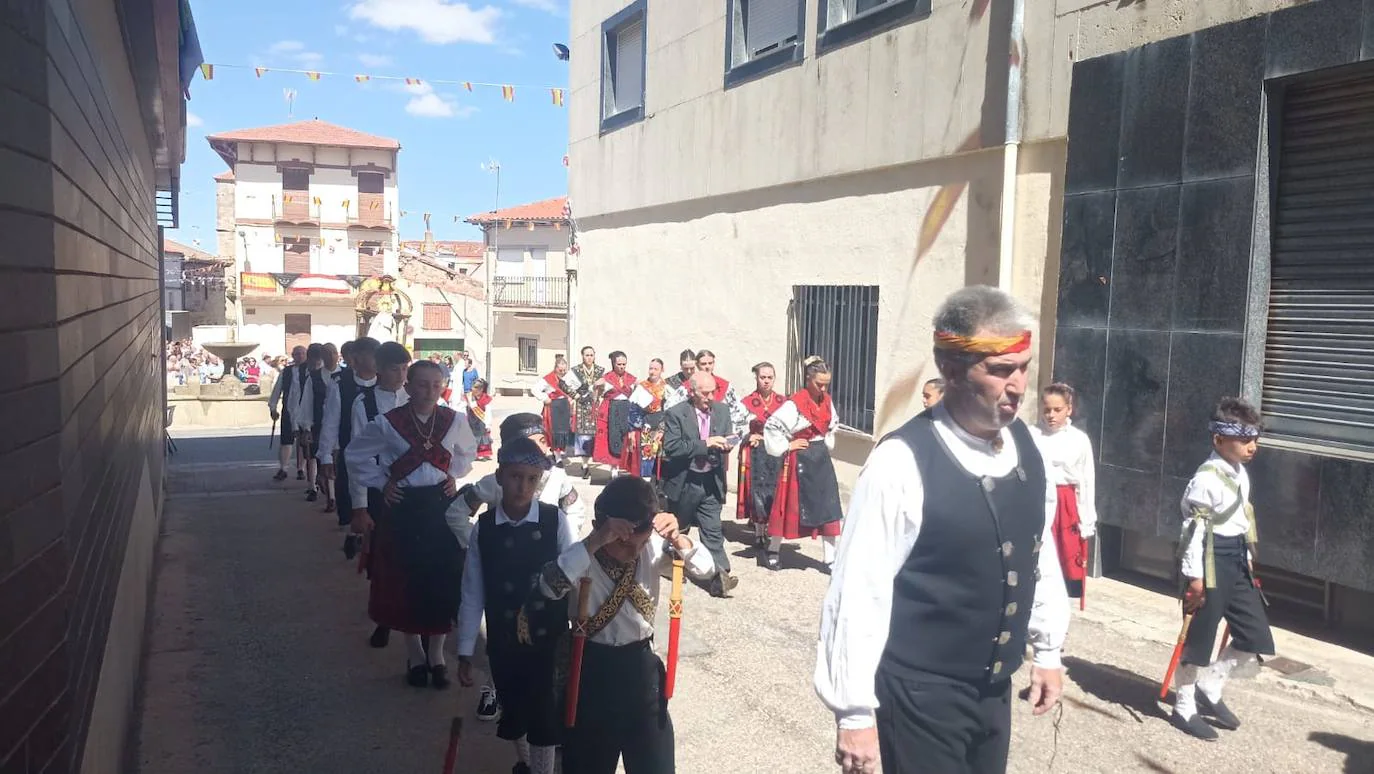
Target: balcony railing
530, 292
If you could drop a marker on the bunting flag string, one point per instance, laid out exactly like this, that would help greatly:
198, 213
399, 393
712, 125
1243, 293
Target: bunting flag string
556, 93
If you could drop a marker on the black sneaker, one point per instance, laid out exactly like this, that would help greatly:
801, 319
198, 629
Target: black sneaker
279, 476
1194, 726
380, 637
773, 562
312, 496
438, 677
418, 676
488, 708
1218, 711
521, 768
350, 546
300, 475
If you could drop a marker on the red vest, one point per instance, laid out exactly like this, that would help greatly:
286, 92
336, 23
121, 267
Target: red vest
403, 422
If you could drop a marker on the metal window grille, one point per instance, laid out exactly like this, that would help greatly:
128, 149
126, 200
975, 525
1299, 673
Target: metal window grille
839, 323
1318, 384
529, 354
438, 317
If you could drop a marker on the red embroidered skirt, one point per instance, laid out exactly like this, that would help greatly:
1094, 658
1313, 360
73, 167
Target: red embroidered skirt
415, 564
1073, 558
785, 519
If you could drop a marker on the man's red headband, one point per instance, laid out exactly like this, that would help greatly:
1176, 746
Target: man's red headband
990, 346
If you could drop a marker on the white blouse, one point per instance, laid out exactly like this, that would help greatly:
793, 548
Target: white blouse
784, 425
386, 401
372, 451
1068, 458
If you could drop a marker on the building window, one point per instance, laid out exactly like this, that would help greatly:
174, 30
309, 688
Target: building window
296, 328
438, 317
1319, 345
371, 183
295, 179
844, 21
840, 323
622, 67
529, 354
295, 252
371, 259
762, 36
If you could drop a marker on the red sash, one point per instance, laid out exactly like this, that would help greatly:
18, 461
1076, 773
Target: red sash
762, 409
625, 386
722, 387
818, 414
402, 420
551, 379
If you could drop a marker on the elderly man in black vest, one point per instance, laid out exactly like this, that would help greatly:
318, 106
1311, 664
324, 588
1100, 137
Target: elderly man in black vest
946, 569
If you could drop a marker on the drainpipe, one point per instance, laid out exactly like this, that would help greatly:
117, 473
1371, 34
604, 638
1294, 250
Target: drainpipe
1012, 146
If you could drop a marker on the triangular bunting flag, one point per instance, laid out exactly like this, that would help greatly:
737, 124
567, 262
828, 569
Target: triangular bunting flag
508, 225
314, 76
347, 202
413, 82
354, 280
208, 70
508, 93
565, 160
259, 71
285, 280
557, 226
531, 225
557, 96
467, 85
316, 200
362, 78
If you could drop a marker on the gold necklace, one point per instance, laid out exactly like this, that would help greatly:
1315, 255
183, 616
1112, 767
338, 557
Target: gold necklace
425, 436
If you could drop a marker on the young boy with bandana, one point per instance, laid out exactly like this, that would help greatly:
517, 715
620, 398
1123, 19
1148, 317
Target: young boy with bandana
1216, 556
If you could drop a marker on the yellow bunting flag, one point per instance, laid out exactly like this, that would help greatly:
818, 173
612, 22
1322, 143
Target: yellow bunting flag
508, 225
557, 226
531, 225
374, 205
276, 238
413, 81
362, 78
314, 76
259, 71
467, 85
286, 199
208, 70
321, 241
508, 93
557, 96
347, 202
316, 200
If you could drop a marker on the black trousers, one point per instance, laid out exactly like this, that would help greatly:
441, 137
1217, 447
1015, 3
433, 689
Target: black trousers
621, 713
523, 678
699, 505
932, 724
1234, 599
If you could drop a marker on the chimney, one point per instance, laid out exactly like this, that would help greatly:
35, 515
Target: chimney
428, 246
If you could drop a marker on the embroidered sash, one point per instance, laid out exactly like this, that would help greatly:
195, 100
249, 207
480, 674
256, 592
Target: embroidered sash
403, 422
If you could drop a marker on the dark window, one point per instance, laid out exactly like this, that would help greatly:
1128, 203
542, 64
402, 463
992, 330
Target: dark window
840, 323
622, 67
371, 183
1318, 385
843, 21
761, 36
295, 179
529, 354
297, 330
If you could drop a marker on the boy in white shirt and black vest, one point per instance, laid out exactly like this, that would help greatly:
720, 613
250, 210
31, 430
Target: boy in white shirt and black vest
1216, 556
508, 546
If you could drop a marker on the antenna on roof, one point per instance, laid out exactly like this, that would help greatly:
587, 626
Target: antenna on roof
290, 96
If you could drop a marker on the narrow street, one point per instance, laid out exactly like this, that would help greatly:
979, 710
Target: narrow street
258, 663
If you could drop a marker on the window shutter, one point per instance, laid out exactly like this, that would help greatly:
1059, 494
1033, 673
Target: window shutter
438, 317
769, 23
1319, 352
629, 65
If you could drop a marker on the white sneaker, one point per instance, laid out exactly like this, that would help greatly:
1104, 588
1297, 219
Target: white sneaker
488, 708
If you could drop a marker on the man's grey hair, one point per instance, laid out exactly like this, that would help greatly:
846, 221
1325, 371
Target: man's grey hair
978, 309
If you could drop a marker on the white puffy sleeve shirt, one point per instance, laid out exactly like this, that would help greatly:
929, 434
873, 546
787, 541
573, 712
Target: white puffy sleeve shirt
880, 530
784, 425
1206, 490
380, 440
1069, 461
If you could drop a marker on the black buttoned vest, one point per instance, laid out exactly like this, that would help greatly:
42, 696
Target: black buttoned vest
512, 557
962, 600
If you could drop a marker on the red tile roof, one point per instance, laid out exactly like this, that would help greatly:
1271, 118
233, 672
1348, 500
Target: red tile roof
227, 176
312, 132
460, 249
185, 251
546, 210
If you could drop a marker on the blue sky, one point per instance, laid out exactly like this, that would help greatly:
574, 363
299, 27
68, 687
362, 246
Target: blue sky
445, 132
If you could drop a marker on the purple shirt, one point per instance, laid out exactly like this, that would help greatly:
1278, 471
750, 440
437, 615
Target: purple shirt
702, 464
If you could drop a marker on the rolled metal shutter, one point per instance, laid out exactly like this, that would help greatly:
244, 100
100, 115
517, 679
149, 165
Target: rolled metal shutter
1319, 351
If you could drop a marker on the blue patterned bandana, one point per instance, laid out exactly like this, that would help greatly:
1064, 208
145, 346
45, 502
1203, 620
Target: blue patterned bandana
1233, 430
523, 451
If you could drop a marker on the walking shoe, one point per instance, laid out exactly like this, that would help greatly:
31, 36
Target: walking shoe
350, 546
438, 677
300, 475
521, 768
488, 708
280, 475
380, 637
1194, 726
312, 496
1218, 711
418, 676
722, 584
773, 562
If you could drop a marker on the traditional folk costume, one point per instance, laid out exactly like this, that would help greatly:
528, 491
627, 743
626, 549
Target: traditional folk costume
622, 707
806, 502
584, 396
613, 420
645, 441
285, 390
554, 393
509, 551
1217, 545
337, 430
946, 571
477, 418
556, 489
1068, 455
415, 560
308, 415
758, 473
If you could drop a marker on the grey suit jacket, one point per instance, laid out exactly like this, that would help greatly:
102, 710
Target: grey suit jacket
682, 443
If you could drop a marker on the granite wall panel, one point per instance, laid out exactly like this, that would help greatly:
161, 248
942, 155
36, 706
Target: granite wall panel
1211, 287
1225, 95
1085, 259
1313, 36
1154, 104
1203, 368
1144, 255
1134, 401
1080, 360
1094, 124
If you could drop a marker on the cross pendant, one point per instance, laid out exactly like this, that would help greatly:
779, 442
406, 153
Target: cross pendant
428, 445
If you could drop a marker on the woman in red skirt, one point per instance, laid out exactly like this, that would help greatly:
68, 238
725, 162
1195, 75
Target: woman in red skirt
802, 433
758, 472
1069, 464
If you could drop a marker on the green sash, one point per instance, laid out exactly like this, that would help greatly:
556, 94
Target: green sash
1208, 519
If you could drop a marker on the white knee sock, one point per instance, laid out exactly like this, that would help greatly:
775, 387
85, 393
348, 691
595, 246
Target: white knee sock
828, 549
1214, 678
522, 750
774, 545
436, 649
415, 650
1185, 699
541, 760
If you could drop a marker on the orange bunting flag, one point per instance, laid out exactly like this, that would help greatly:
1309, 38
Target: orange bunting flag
557, 96
413, 81
557, 226
208, 70
467, 85
374, 205
362, 78
314, 76
259, 71
508, 93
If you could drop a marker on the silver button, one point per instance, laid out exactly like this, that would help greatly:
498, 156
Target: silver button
1011, 609
1013, 578
997, 668
1038, 543
536, 535
1006, 548
1003, 638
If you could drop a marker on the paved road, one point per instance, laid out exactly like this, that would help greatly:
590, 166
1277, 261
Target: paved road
258, 664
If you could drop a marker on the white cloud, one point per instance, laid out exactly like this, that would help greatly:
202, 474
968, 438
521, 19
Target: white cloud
548, 6
425, 102
286, 47
374, 60
193, 120
295, 52
435, 21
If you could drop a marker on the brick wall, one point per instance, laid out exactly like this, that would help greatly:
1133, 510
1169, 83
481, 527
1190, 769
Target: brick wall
81, 458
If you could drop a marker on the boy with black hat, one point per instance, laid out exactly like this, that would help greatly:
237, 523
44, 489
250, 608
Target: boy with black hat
508, 546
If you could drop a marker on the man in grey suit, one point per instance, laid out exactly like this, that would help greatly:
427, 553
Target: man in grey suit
696, 443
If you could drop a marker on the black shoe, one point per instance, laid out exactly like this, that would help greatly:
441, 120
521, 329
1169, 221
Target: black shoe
418, 676
1218, 711
312, 496
438, 677
279, 476
760, 541
350, 546
773, 561
380, 637
488, 708
1194, 726
521, 768
723, 584
300, 475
